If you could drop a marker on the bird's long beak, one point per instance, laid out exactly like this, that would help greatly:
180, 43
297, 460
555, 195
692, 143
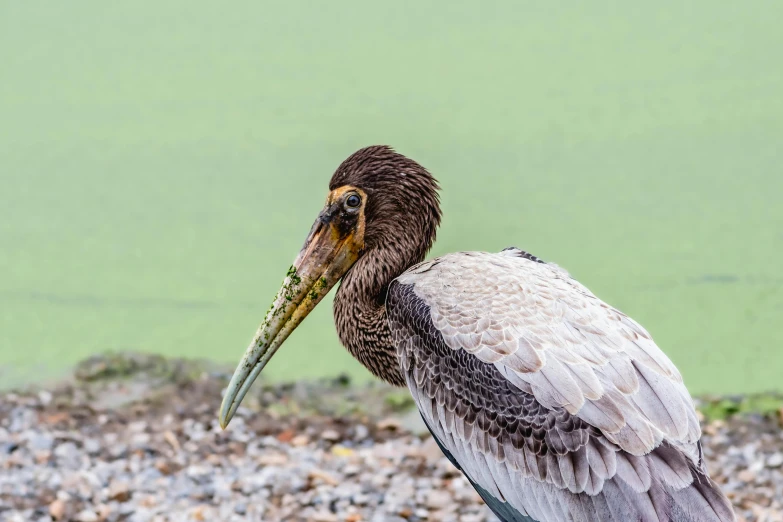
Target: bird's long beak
326, 256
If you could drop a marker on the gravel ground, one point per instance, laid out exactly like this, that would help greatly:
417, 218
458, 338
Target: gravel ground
141, 443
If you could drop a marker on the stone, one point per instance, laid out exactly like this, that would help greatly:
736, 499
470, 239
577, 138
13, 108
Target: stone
91, 446
87, 515
300, 441
322, 476
389, 423
45, 397
169, 461
330, 435
437, 499
775, 460
342, 451
323, 516
119, 491
171, 438
57, 509
38, 441
360, 432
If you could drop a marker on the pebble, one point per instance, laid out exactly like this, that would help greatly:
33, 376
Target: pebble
438, 499
300, 440
330, 435
775, 460
361, 432
119, 491
40, 441
170, 462
57, 509
87, 515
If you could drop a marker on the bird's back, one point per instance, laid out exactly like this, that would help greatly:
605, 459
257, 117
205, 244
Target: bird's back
555, 405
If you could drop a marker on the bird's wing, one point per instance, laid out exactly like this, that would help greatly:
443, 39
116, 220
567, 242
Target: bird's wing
547, 396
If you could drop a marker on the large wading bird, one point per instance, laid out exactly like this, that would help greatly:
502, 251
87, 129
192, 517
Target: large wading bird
555, 405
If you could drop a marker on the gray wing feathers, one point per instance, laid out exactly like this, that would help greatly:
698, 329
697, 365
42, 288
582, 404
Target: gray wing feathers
553, 402
547, 333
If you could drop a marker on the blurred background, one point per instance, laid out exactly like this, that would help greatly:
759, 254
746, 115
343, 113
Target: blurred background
161, 163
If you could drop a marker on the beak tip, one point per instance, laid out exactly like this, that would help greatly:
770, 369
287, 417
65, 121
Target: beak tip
225, 414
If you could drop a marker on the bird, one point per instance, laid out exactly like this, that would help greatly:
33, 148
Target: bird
555, 405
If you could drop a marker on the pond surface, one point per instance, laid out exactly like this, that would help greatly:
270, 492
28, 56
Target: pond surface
161, 163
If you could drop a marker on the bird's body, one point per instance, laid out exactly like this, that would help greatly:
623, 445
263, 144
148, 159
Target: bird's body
556, 406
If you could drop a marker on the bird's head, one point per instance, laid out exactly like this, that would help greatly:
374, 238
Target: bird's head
378, 201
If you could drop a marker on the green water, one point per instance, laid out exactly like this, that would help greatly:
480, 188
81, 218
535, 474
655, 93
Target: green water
161, 163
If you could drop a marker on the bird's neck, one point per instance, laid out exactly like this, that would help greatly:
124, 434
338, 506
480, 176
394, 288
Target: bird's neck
360, 311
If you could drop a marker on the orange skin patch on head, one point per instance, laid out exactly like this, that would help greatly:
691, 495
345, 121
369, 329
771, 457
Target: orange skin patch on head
340, 191
356, 239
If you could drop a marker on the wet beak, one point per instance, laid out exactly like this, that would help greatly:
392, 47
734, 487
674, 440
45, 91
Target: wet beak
326, 256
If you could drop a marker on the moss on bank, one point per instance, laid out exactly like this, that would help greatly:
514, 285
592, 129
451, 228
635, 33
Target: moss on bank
721, 408
155, 375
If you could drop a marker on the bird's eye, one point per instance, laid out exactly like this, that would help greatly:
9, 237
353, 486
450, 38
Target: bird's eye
353, 201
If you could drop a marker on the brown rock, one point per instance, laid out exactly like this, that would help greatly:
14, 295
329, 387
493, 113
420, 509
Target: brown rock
54, 418
104, 512
164, 467
437, 499
214, 459
273, 459
300, 440
198, 513
57, 509
286, 436
323, 476
169, 436
119, 491
42, 457
389, 423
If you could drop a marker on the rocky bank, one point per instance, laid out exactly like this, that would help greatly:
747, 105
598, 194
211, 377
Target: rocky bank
135, 438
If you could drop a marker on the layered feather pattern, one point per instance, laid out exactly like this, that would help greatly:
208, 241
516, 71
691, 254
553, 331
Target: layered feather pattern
557, 405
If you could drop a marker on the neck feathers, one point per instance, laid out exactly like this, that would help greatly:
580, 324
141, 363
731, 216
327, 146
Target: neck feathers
360, 310
402, 213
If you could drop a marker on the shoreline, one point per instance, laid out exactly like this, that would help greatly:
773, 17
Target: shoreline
128, 376
134, 437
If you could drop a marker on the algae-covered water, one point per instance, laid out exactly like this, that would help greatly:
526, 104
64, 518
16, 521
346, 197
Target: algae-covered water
161, 163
